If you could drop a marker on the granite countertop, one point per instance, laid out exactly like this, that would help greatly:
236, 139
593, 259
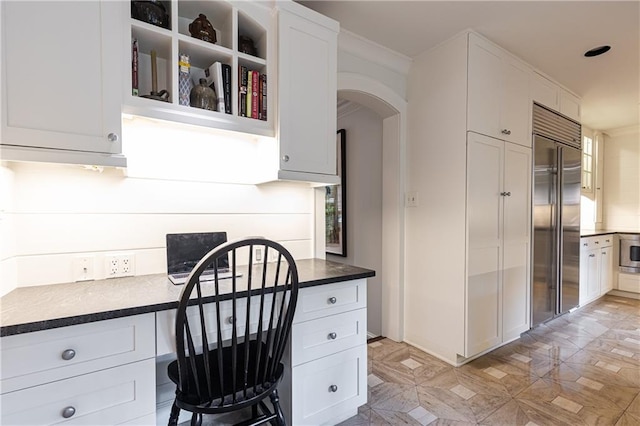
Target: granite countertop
593, 233
28, 309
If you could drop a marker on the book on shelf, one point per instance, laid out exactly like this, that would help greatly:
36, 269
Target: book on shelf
226, 81
134, 67
263, 97
213, 75
249, 93
242, 90
255, 90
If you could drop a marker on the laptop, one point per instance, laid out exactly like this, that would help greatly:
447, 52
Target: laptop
184, 251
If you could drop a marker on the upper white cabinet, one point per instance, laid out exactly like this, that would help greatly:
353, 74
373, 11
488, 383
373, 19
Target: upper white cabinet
551, 95
307, 90
570, 105
498, 104
61, 82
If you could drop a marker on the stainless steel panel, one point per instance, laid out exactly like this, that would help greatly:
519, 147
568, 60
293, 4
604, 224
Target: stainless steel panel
545, 233
554, 126
570, 226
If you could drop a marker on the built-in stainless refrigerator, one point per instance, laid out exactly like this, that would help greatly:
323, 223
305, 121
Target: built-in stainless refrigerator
556, 215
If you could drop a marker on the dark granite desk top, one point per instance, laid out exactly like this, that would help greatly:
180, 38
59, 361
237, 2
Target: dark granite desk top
28, 309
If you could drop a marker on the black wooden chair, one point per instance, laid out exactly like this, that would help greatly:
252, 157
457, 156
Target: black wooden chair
231, 339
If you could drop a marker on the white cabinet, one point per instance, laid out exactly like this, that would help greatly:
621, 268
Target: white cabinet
498, 211
307, 90
61, 82
102, 372
596, 267
570, 105
555, 97
498, 104
328, 355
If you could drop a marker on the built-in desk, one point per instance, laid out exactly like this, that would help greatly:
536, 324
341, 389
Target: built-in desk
97, 351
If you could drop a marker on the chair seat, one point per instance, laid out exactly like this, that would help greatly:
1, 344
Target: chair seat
214, 398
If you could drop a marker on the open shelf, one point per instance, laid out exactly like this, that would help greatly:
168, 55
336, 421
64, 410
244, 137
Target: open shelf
230, 21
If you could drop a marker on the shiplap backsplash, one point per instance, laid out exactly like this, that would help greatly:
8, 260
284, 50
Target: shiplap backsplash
51, 214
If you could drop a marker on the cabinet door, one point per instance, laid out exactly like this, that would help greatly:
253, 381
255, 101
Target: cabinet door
485, 88
593, 275
569, 105
606, 270
307, 75
515, 107
61, 75
484, 216
516, 241
545, 92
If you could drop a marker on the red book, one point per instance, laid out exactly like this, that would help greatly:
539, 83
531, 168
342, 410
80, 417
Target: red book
255, 76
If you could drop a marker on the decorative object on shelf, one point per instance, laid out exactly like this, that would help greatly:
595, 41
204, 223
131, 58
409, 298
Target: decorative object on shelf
162, 95
203, 96
134, 67
201, 28
150, 11
184, 82
214, 78
245, 45
336, 204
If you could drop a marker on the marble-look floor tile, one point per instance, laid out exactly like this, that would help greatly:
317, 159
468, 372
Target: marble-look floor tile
573, 370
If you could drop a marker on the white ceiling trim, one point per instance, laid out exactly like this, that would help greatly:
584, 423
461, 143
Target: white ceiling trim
366, 49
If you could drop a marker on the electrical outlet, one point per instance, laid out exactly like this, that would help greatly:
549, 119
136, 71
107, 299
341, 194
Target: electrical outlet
126, 265
83, 268
119, 265
111, 266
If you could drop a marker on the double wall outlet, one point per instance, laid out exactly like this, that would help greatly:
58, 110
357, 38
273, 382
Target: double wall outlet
119, 265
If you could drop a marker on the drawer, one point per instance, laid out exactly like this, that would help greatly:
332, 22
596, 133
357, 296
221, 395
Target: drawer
324, 336
110, 396
596, 242
166, 322
330, 299
45, 356
324, 388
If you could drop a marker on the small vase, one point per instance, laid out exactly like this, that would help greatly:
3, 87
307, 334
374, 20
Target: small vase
203, 96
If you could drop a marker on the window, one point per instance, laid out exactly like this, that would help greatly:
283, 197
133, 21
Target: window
587, 164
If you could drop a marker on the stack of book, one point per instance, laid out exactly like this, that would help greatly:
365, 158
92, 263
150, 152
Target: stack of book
252, 94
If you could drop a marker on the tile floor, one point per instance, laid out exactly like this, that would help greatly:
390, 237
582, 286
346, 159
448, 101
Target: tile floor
580, 369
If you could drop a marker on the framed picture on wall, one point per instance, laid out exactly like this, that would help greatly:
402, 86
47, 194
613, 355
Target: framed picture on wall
336, 204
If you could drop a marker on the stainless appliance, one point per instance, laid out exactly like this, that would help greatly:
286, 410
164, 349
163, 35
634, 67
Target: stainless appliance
629, 253
556, 214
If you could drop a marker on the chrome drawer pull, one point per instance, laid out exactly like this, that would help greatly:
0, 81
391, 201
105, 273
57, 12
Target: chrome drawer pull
68, 354
332, 336
68, 412
230, 320
332, 300
597, 242
592, 255
333, 388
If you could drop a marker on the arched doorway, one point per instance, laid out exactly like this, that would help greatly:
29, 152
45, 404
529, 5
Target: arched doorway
392, 109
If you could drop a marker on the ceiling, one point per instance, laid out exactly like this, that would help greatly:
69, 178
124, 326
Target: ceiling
550, 35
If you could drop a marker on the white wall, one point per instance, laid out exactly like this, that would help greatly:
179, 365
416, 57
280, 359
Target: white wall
364, 204
58, 212
7, 246
622, 180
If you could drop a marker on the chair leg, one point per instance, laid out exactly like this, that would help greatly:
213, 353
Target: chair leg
175, 413
275, 400
196, 419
